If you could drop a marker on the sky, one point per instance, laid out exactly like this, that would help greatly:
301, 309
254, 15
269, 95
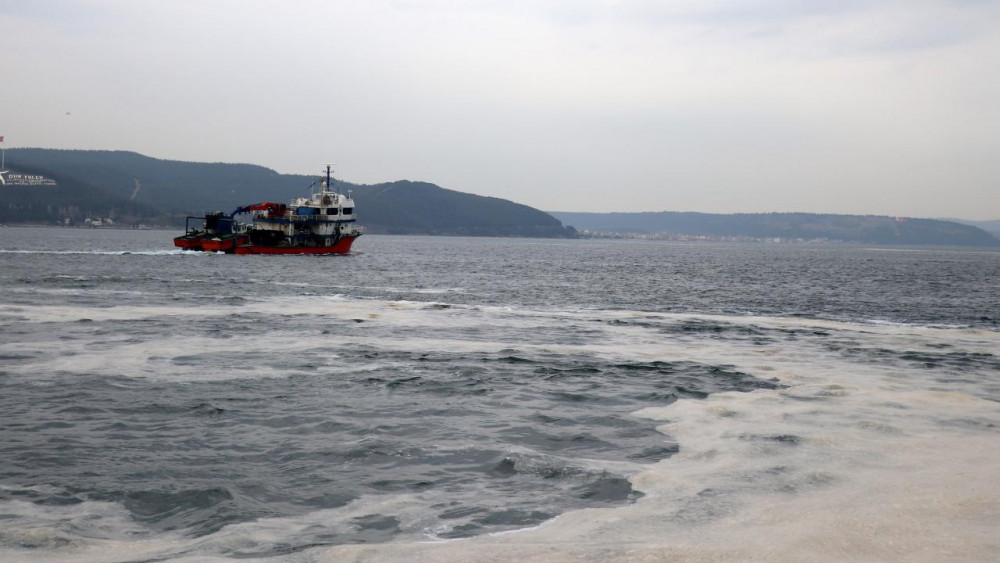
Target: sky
725, 106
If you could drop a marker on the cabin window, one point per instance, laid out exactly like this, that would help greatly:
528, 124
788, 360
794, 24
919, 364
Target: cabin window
348, 210
331, 211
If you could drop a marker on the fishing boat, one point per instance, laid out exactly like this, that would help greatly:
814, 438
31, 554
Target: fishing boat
322, 223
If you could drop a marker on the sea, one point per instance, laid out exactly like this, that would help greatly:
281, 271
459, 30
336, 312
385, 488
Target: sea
489, 399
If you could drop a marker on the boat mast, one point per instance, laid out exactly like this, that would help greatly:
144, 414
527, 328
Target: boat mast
328, 171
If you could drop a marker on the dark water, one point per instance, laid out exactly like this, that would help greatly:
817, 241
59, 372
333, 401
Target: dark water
422, 387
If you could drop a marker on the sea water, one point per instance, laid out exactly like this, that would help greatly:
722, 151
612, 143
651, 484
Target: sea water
434, 398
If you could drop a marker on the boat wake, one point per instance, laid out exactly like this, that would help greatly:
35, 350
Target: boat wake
174, 252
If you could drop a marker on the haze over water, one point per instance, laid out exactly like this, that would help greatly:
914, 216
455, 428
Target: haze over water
605, 400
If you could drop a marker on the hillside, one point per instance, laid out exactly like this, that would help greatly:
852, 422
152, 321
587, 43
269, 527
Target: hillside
70, 201
406, 207
992, 227
867, 229
175, 189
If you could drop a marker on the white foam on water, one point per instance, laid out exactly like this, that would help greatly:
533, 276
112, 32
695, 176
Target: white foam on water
91, 531
102, 532
263, 534
851, 461
174, 358
332, 306
415, 327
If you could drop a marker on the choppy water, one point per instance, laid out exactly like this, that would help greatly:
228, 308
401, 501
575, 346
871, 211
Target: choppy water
159, 404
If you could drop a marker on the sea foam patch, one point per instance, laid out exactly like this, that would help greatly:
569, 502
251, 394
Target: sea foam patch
850, 461
860, 454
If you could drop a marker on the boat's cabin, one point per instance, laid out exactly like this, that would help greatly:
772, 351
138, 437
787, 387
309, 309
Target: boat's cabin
325, 204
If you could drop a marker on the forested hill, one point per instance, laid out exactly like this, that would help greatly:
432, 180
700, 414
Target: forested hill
869, 229
406, 207
164, 191
991, 227
68, 200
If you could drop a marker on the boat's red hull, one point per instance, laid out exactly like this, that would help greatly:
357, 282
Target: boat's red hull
188, 243
219, 245
343, 246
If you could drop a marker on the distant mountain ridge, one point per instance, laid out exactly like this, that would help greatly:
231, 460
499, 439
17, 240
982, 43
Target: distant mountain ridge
168, 190
133, 188
868, 229
992, 227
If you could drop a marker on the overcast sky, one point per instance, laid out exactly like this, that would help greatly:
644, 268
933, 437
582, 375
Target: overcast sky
847, 106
